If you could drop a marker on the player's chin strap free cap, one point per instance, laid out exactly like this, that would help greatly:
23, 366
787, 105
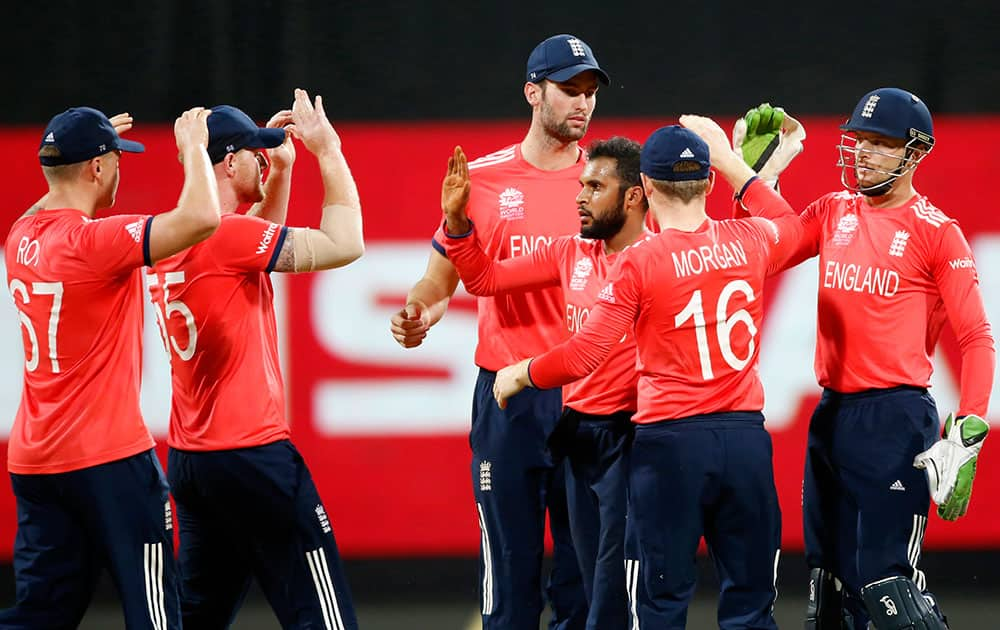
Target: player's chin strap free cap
669, 146
79, 134
890, 112
229, 130
562, 57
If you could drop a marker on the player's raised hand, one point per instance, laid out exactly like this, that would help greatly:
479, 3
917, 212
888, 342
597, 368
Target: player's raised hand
410, 324
191, 129
121, 122
509, 381
768, 139
455, 190
311, 126
283, 155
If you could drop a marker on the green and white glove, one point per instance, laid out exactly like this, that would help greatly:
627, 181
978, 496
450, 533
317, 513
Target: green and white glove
951, 464
768, 139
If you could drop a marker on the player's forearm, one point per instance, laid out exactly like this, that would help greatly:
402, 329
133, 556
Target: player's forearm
433, 296
277, 191
978, 366
585, 351
341, 223
199, 200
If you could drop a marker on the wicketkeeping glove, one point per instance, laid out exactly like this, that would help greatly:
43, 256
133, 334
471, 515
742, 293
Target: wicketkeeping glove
768, 139
951, 464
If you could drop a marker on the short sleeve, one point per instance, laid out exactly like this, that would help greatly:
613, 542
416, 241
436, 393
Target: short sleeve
113, 245
244, 243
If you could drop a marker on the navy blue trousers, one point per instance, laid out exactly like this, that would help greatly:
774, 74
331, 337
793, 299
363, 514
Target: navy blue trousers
72, 525
708, 476
255, 513
596, 491
864, 504
515, 478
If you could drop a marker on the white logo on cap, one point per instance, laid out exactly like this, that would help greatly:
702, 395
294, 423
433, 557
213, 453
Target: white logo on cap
869, 108
687, 153
230, 148
50, 137
102, 147
576, 47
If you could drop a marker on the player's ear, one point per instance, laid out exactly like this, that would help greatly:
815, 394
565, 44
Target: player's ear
634, 196
711, 183
229, 163
533, 93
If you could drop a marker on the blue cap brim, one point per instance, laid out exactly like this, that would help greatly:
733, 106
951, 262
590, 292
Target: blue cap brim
130, 146
568, 73
267, 138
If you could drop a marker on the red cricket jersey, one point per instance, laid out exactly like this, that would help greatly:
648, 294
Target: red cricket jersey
517, 208
215, 309
77, 285
580, 267
888, 279
696, 301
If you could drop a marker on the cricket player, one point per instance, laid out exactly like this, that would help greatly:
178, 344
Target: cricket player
596, 427
247, 506
700, 464
89, 489
521, 198
892, 269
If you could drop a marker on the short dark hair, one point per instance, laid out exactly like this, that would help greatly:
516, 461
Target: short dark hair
625, 152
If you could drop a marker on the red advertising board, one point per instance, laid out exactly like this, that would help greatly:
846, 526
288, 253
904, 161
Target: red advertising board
384, 429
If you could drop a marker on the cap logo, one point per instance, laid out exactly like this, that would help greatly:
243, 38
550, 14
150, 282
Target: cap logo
869, 107
576, 47
534, 75
687, 153
102, 147
230, 148
50, 138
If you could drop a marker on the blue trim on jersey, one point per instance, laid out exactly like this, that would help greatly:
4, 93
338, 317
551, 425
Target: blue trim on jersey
743, 190
277, 249
439, 247
472, 228
146, 258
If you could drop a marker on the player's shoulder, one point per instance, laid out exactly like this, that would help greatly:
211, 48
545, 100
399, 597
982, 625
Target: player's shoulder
503, 159
921, 213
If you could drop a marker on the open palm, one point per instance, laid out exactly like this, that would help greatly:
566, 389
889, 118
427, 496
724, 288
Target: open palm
456, 186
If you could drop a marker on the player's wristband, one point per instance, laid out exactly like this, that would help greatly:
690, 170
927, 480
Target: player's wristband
444, 228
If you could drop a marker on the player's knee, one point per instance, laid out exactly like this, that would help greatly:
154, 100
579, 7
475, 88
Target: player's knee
896, 603
825, 610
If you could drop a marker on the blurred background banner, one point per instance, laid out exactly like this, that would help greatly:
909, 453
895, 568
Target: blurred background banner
385, 430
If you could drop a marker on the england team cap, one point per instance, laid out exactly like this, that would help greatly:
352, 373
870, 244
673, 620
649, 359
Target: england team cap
229, 130
892, 112
82, 133
562, 57
667, 146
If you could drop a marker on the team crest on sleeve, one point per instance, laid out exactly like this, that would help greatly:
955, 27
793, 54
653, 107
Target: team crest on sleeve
847, 227
581, 273
511, 203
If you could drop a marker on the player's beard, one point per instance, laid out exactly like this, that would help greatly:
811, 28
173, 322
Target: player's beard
608, 224
560, 129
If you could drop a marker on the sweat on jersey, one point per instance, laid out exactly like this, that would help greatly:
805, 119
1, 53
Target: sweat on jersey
77, 285
888, 279
215, 310
696, 302
518, 208
580, 267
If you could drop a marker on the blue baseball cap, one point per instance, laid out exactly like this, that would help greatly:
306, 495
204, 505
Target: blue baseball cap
667, 146
562, 57
82, 133
894, 113
230, 130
